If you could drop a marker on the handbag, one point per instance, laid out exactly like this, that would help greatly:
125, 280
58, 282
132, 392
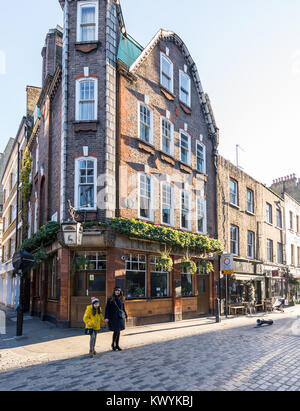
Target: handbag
121, 312
88, 331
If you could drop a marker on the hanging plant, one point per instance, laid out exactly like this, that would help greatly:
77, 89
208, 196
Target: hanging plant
79, 263
39, 257
207, 266
189, 265
165, 263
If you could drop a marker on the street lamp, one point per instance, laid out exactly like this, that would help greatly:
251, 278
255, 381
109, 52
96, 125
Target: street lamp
22, 262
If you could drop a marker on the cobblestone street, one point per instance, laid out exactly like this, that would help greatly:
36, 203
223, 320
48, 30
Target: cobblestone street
194, 355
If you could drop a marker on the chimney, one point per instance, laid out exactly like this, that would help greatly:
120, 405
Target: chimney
52, 52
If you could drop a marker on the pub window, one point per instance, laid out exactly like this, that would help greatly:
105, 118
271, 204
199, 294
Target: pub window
85, 183
186, 220
167, 136
159, 280
184, 88
91, 272
185, 148
201, 215
167, 203
87, 21
166, 72
52, 282
146, 197
187, 283
201, 157
135, 265
146, 123
86, 99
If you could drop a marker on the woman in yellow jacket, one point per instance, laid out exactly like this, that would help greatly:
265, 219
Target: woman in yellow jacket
92, 319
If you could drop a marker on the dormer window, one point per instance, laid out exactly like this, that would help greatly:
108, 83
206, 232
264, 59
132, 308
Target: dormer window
166, 72
87, 28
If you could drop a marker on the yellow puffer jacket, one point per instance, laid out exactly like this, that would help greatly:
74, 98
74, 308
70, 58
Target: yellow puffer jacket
93, 321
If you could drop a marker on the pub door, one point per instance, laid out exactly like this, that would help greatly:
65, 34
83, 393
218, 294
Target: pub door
203, 294
85, 286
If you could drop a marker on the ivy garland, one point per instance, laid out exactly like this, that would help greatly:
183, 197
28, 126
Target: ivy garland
46, 235
26, 189
166, 235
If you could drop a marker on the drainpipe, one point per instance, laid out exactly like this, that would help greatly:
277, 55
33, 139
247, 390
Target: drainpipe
64, 113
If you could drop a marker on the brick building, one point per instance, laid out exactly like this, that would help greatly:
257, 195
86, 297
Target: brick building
251, 225
122, 132
12, 204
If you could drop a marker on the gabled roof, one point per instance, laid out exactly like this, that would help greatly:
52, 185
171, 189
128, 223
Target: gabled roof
204, 99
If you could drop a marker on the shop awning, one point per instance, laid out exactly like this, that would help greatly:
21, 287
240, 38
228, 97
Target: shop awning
245, 277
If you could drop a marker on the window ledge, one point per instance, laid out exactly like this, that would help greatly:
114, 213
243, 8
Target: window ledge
271, 224
185, 167
250, 213
87, 46
145, 146
168, 158
85, 126
167, 93
185, 108
235, 206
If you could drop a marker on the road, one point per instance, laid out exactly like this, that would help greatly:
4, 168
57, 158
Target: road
193, 355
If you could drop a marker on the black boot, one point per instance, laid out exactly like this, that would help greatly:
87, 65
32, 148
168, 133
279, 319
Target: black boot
117, 343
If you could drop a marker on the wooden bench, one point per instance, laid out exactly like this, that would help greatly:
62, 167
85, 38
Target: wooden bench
259, 306
236, 308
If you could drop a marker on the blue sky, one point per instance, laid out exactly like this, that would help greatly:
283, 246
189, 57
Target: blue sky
247, 53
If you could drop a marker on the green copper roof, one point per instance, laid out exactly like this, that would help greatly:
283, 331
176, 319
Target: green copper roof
129, 50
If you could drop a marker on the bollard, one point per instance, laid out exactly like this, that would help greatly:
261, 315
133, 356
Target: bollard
218, 310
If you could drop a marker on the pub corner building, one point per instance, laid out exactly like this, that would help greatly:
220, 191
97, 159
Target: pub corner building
87, 261
109, 107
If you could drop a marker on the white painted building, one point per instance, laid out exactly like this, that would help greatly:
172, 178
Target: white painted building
292, 233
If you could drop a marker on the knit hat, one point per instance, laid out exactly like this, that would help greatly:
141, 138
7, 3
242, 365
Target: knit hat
94, 300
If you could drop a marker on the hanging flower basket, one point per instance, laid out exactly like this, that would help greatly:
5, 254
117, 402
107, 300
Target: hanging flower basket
207, 266
165, 263
189, 266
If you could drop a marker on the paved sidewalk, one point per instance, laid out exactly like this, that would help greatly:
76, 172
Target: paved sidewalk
191, 355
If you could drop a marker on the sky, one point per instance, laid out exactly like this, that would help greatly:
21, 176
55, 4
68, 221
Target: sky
247, 53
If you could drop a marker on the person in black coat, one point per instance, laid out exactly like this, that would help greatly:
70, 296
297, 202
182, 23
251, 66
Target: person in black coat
115, 315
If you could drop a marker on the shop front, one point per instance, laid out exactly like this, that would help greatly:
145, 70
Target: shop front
63, 285
243, 289
276, 282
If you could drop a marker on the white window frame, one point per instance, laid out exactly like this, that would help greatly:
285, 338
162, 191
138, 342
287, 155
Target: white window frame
251, 203
163, 184
235, 194
171, 153
269, 213
151, 218
183, 74
236, 241
203, 206
78, 83
182, 132
189, 215
163, 56
251, 245
151, 127
270, 257
198, 143
81, 5
77, 183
